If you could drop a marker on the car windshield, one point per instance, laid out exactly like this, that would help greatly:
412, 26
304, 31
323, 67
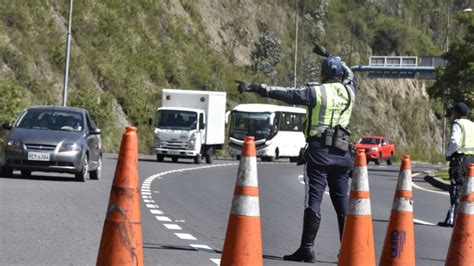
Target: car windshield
48, 119
250, 124
175, 119
370, 141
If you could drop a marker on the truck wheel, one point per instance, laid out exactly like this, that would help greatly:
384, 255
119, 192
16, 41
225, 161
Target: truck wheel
159, 158
390, 159
197, 159
377, 161
7, 171
208, 158
209, 155
174, 159
237, 157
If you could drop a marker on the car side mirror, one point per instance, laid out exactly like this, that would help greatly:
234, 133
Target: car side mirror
202, 126
7, 126
95, 131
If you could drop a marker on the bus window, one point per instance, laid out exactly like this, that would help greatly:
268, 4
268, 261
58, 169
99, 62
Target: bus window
292, 122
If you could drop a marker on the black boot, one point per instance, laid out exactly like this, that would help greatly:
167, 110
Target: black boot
449, 221
340, 222
305, 253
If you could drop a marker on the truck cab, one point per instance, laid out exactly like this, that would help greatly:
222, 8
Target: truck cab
189, 124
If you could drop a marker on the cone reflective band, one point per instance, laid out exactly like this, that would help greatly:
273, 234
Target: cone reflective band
399, 244
121, 242
243, 240
461, 249
357, 246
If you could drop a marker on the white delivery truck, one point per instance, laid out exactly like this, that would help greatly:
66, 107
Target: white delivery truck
190, 124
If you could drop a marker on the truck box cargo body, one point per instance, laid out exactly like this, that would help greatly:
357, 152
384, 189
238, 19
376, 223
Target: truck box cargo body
190, 124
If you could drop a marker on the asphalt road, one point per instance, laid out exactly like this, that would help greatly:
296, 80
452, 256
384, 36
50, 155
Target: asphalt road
51, 219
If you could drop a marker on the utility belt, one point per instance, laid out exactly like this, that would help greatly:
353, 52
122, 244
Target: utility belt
336, 137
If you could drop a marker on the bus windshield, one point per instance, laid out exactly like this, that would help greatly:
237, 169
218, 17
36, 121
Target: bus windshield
175, 119
250, 124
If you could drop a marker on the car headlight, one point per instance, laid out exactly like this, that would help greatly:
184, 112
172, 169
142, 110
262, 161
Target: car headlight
268, 143
65, 147
373, 149
14, 144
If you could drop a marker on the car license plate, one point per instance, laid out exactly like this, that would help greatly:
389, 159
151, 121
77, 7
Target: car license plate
173, 152
38, 156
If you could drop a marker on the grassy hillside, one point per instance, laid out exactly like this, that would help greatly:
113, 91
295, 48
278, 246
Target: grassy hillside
125, 52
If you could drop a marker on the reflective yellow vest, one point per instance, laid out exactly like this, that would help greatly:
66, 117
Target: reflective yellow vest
466, 145
334, 103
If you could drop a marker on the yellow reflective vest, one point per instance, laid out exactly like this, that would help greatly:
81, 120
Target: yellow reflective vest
466, 143
334, 102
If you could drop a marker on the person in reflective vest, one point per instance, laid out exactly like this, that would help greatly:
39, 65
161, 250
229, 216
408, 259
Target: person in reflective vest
460, 154
327, 157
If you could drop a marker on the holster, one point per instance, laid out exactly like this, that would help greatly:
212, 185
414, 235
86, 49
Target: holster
302, 155
338, 138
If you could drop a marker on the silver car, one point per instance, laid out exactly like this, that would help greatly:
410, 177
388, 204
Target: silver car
53, 139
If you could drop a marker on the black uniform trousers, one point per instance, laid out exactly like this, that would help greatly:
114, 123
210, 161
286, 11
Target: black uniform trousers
326, 166
457, 172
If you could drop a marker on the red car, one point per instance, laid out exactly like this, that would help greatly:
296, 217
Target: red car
377, 149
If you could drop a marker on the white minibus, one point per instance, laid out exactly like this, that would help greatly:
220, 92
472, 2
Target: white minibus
278, 130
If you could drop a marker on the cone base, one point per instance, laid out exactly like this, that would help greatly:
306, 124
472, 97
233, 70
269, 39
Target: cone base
121, 244
357, 247
243, 241
399, 244
461, 247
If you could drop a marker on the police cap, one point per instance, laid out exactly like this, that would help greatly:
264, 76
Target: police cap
461, 108
331, 66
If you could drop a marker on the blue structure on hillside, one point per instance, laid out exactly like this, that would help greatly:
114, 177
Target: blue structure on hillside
406, 67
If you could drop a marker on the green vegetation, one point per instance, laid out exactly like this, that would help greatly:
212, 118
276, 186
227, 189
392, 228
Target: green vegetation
125, 52
455, 81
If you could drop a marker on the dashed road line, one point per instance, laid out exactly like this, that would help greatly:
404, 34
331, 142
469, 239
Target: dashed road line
153, 208
185, 236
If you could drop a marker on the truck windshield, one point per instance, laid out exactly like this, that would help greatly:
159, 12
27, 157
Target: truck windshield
250, 124
175, 119
370, 141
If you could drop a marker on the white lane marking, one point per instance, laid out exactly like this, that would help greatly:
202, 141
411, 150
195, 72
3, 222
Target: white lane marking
416, 221
156, 211
163, 218
147, 196
203, 248
425, 189
326, 192
173, 227
148, 201
302, 182
185, 236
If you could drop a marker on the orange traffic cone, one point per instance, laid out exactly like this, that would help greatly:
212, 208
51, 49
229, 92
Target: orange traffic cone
461, 248
121, 242
243, 240
357, 246
399, 245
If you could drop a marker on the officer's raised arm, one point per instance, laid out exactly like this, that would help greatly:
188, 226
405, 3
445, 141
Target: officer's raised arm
298, 96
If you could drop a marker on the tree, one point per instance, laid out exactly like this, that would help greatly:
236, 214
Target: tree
455, 80
267, 54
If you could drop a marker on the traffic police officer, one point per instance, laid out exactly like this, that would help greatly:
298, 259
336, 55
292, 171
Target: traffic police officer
329, 107
460, 154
